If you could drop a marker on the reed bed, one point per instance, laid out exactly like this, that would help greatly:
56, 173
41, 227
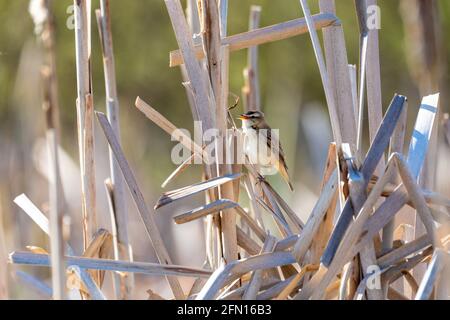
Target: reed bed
350, 247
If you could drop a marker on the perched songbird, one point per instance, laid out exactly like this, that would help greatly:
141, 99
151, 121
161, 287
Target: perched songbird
262, 146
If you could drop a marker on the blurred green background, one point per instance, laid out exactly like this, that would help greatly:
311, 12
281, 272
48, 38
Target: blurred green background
291, 94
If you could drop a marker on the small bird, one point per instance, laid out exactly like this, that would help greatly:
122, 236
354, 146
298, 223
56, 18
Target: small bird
269, 159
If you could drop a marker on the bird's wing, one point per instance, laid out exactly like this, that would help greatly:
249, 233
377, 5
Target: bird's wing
281, 163
267, 133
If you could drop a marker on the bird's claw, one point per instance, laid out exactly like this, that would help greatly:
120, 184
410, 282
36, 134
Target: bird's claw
260, 179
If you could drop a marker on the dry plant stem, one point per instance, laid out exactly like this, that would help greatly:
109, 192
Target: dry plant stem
362, 287
431, 276
400, 200
296, 223
286, 243
260, 36
85, 118
146, 216
397, 143
122, 251
256, 279
315, 219
416, 156
119, 280
210, 208
424, 140
175, 195
236, 294
422, 209
411, 281
252, 99
221, 93
294, 282
181, 168
396, 272
56, 237
339, 78
332, 108
361, 11
373, 84
51, 110
247, 243
212, 47
204, 105
357, 187
320, 240
196, 75
345, 279
254, 206
320, 281
418, 200
275, 290
371, 161
169, 127
273, 208
222, 205
223, 16
251, 96
42, 222
393, 294
404, 251
422, 133
198, 283
153, 269
229, 190
227, 274
354, 84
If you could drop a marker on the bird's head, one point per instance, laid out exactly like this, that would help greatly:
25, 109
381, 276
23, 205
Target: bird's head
252, 118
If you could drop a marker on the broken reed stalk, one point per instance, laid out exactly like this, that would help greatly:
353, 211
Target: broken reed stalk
263, 35
85, 117
145, 214
218, 66
42, 222
397, 143
373, 85
122, 250
361, 12
338, 76
255, 282
317, 215
332, 108
154, 269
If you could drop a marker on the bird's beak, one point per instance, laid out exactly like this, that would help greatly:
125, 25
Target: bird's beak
243, 117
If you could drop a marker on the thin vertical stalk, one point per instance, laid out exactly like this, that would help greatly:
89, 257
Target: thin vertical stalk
122, 250
251, 93
56, 237
85, 118
338, 82
332, 109
45, 32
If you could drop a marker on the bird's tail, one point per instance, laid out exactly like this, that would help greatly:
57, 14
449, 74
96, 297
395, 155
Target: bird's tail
284, 173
